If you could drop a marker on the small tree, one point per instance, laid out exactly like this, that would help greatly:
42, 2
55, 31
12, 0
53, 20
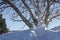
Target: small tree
3, 26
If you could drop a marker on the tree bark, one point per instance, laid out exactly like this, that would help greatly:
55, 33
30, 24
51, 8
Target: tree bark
47, 13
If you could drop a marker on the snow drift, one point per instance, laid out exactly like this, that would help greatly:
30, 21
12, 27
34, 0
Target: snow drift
31, 34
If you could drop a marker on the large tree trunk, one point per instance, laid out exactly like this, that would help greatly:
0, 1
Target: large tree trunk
47, 14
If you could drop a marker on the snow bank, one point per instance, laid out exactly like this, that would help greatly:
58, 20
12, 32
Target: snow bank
31, 34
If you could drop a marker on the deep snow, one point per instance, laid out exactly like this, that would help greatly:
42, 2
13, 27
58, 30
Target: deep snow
31, 34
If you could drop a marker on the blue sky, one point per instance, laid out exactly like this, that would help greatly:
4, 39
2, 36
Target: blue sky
54, 23
20, 25
10, 23
14, 25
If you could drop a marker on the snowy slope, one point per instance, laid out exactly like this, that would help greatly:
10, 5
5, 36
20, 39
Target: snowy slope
56, 28
31, 34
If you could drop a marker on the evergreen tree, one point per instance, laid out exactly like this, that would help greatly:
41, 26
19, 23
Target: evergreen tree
3, 26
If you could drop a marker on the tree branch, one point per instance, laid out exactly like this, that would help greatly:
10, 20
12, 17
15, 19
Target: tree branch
33, 18
54, 16
19, 13
1, 3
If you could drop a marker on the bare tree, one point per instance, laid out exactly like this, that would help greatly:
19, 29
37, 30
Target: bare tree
39, 10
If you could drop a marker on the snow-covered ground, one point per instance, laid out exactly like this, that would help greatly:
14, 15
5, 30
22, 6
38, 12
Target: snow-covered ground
31, 34
56, 28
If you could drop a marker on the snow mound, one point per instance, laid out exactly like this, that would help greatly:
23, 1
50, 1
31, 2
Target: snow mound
56, 28
31, 34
